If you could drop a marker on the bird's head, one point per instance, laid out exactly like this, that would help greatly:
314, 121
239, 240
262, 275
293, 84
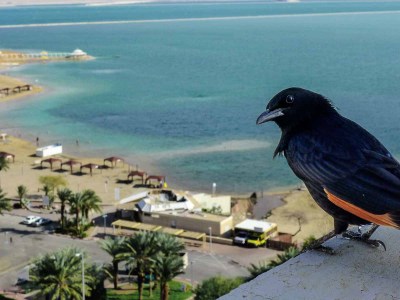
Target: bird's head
294, 107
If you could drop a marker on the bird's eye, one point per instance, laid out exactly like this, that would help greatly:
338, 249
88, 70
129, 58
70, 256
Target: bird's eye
289, 99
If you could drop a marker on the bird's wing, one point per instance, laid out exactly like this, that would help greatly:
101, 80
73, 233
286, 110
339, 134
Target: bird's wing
360, 177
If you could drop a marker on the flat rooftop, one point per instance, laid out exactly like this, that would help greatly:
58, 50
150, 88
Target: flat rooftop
197, 216
356, 271
256, 225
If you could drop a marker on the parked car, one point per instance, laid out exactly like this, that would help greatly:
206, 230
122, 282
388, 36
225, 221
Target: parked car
40, 222
30, 219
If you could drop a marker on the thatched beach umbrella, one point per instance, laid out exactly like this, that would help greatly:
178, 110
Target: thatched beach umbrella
142, 175
90, 167
50, 161
113, 160
71, 163
7, 155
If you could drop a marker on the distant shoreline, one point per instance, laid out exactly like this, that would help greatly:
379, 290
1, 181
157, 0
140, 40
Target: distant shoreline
14, 3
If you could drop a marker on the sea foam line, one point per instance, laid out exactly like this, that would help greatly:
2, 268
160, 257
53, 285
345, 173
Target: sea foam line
202, 19
225, 146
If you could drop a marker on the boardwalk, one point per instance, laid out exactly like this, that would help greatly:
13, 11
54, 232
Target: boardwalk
23, 57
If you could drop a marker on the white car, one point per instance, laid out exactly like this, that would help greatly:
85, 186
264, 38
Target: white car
40, 222
30, 219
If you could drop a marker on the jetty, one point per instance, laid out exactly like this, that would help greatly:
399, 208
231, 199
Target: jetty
13, 57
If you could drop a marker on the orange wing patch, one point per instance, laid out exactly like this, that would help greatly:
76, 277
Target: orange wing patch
384, 219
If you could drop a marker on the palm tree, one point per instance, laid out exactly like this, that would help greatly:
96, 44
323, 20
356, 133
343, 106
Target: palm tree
169, 244
76, 202
58, 275
96, 272
167, 267
64, 196
113, 246
91, 202
4, 202
142, 249
4, 165
22, 190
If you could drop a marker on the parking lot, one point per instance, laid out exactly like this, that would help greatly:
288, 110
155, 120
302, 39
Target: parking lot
20, 244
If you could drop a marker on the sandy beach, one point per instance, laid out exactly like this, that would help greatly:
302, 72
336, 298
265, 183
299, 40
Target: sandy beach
26, 170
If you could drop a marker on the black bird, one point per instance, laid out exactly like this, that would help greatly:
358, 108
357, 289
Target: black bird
347, 171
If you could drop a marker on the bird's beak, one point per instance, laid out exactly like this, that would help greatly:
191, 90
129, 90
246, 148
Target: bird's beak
269, 115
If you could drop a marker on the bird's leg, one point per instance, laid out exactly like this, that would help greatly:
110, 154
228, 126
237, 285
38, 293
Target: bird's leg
364, 237
317, 244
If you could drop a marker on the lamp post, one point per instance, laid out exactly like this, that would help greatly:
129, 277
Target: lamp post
83, 275
210, 229
191, 273
104, 218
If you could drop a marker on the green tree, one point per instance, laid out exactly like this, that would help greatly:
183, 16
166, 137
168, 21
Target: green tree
64, 195
98, 291
166, 268
4, 165
58, 275
215, 287
4, 202
76, 202
142, 249
51, 183
114, 247
22, 191
91, 202
168, 244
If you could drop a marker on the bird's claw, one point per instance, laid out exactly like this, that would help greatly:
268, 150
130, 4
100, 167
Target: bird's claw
376, 243
363, 238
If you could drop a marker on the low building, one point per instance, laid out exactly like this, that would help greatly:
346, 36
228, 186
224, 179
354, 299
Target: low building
174, 210
192, 221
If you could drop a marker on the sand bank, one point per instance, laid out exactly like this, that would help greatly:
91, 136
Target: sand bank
10, 82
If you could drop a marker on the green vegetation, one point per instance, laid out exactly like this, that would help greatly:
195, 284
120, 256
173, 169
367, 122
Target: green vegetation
129, 292
81, 204
50, 184
64, 195
216, 287
113, 246
4, 165
2, 297
5, 203
22, 191
57, 275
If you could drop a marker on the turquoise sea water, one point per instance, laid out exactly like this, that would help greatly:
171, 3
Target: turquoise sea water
181, 98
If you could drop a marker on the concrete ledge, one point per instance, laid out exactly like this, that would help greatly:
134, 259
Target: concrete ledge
356, 271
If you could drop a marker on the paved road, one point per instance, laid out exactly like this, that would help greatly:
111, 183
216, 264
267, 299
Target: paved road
28, 243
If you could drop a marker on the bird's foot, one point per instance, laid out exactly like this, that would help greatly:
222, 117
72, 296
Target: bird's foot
317, 244
364, 237
323, 249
